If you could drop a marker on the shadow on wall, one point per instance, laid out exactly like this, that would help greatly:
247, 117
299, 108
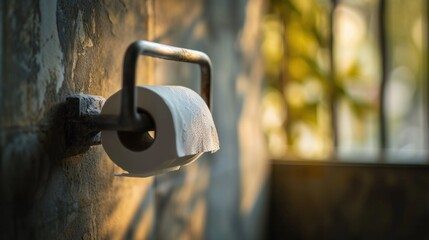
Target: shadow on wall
32, 155
212, 198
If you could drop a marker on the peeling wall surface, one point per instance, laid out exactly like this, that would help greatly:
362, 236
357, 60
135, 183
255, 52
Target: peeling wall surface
50, 49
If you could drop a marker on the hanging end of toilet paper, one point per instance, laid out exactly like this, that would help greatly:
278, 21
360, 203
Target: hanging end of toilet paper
148, 174
215, 150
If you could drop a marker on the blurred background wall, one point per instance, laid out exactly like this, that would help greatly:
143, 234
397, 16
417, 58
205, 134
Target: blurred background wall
345, 117
50, 49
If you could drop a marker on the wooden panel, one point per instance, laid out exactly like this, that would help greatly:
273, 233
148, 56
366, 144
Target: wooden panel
340, 201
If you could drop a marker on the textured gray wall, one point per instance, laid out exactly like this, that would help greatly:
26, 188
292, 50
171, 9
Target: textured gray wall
53, 48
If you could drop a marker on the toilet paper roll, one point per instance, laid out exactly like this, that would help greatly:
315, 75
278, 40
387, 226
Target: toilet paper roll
184, 129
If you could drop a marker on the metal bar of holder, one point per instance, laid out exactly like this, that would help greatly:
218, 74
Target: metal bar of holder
129, 120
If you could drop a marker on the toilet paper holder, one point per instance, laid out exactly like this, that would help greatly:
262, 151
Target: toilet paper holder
84, 121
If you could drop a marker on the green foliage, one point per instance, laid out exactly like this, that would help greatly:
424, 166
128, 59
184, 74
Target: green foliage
296, 50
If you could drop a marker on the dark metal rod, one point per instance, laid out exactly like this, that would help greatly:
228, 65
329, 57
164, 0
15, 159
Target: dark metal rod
426, 71
129, 118
332, 76
383, 81
108, 122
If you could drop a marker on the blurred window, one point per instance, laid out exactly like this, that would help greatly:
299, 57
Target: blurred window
346, 80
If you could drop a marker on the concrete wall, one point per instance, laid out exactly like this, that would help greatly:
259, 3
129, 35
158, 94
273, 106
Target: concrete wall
53, 48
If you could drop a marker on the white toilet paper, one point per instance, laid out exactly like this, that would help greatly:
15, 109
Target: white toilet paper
184, 130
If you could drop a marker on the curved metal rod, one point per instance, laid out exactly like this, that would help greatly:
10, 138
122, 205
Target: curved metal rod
129, 119
382, 38
332, 78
